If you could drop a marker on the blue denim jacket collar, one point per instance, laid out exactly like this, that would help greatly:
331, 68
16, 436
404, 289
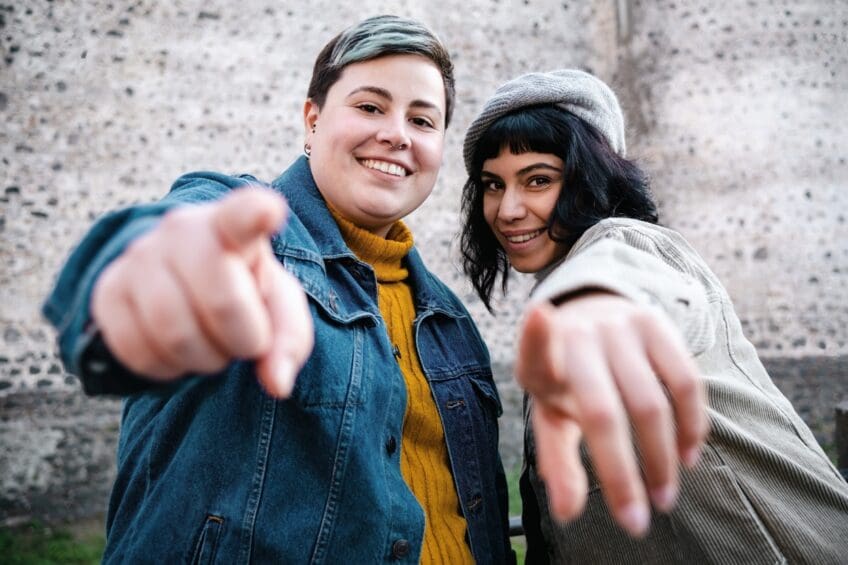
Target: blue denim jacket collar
324, 243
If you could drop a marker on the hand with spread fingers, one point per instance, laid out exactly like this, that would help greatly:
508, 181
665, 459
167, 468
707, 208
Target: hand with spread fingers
204, 288
595, 366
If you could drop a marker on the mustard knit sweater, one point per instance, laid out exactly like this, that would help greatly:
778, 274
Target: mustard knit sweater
424, 461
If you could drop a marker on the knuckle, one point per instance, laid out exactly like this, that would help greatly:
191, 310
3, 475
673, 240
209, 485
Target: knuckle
106, 289
139, 250
576, 331
179, 342
650, 411
141, 362
601, 418
176, 219
619, 486
224, 309
212, 363
686, 386
615, 326
644, 317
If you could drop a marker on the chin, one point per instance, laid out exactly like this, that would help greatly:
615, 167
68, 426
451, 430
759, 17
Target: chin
526, 267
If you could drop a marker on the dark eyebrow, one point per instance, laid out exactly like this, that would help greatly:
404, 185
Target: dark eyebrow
523, 171
534, 166
383, 93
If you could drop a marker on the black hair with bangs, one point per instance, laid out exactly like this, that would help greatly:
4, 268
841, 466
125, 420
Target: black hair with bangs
597, 184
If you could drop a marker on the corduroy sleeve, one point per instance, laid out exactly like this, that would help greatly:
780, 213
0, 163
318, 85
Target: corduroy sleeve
644, 263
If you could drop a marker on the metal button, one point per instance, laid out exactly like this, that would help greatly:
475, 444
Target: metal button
396, 351
97, 367
400, 549
391, 445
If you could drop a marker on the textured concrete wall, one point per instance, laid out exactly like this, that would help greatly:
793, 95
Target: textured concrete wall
737, 111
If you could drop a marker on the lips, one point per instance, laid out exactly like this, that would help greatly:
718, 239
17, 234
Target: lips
387, 167
523, 237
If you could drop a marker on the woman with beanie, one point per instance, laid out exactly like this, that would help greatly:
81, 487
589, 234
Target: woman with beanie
620, 299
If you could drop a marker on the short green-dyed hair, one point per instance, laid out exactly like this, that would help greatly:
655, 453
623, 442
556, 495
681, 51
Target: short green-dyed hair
376, 37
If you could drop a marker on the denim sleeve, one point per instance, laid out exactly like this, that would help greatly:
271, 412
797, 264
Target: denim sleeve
67, 305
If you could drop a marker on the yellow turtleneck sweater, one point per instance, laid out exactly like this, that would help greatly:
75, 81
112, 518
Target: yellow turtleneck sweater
424, 461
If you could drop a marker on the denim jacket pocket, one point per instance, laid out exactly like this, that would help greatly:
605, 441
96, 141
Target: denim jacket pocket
488, 393
337, 358
207, 542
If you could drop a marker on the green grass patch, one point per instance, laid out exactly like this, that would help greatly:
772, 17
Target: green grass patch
37, 544
518, 543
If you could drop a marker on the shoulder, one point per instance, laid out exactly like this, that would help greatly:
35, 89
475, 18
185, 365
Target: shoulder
202, 186
664, 243
628, 229
651, 238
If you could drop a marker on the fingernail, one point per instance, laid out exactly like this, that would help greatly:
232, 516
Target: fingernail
635, 518
664, 497
284, 377
692, 456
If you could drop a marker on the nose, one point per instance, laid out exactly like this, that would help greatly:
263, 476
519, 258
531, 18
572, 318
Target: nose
393, 132
512, 206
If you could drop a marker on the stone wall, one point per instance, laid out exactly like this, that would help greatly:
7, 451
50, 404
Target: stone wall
736, 109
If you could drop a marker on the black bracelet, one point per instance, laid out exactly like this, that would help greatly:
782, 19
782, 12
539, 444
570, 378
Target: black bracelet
102, 373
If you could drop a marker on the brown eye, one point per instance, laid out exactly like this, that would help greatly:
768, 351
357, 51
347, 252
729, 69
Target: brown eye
422, 122
368, 108
492, 186
539, 182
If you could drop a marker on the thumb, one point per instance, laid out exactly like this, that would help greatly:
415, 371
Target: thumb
247, 215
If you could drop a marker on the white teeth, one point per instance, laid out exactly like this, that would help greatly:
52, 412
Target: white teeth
389, 168
524, 237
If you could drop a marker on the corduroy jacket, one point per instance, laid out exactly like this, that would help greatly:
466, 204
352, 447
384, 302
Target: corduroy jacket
763, 492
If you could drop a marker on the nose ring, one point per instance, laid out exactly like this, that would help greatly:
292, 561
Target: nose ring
399, 146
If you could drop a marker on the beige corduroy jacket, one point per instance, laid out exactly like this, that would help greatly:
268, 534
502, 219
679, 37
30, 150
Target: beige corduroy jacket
764, 491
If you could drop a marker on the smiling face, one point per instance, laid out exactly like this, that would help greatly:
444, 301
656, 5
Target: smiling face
520, 192
376, 146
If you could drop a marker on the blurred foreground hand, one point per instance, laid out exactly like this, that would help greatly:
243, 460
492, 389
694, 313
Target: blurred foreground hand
594, 366
204, 288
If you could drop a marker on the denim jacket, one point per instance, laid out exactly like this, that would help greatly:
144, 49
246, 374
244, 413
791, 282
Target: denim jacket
213, 470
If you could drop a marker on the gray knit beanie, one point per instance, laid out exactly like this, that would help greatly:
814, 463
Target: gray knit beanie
576, 91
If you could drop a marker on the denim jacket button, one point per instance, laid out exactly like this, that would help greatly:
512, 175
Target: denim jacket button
400, 549
391, 445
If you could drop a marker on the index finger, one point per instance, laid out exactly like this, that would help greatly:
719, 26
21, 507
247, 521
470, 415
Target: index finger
292, 329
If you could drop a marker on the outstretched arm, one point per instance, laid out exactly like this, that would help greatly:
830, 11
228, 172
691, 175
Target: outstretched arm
196, 288
594, 366
607, 348
204, 288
